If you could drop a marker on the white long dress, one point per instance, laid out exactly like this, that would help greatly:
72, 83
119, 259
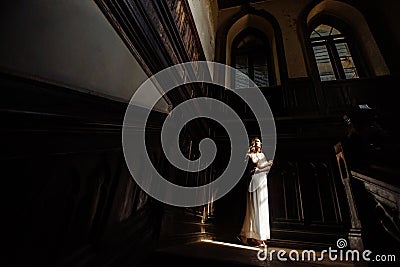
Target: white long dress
256, 222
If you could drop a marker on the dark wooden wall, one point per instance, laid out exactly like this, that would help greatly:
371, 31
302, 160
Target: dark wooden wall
70, 195
73, 200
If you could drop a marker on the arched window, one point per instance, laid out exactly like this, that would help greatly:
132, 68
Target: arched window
251, 55
332, 54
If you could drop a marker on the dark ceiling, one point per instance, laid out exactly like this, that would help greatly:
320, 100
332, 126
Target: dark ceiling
231, 3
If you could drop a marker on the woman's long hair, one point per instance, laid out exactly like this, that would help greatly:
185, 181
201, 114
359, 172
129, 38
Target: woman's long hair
253, 148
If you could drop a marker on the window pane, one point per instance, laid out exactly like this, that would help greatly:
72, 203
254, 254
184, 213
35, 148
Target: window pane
260, 70
334, 31
315, 34
346, 60
261, 75
324, 64
241, 64
249, 41
251, 58
324, 30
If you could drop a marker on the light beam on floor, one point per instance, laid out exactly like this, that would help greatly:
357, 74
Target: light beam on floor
229, 244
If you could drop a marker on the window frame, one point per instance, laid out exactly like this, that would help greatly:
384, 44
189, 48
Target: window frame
265, 48
334, 57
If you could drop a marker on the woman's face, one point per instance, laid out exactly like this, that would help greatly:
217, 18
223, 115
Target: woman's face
256, 146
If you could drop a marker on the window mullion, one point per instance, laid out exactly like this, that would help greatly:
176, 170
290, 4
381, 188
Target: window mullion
335, 59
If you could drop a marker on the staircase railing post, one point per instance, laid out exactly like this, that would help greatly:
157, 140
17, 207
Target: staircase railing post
355, 233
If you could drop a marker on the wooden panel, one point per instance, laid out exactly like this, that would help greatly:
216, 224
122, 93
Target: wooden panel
305, 192
66, 176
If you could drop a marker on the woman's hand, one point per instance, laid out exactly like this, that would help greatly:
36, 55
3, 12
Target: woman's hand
258, 170
263, 169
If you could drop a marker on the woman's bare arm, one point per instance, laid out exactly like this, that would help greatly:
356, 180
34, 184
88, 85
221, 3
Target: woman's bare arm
265, 168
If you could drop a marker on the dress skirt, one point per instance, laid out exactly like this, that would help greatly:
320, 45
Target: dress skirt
256, 222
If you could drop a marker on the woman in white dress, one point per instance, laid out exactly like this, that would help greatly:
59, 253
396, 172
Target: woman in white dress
256, 227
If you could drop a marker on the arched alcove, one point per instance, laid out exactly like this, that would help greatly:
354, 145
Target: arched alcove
262, 22
353, 22
251, 21
252, 55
